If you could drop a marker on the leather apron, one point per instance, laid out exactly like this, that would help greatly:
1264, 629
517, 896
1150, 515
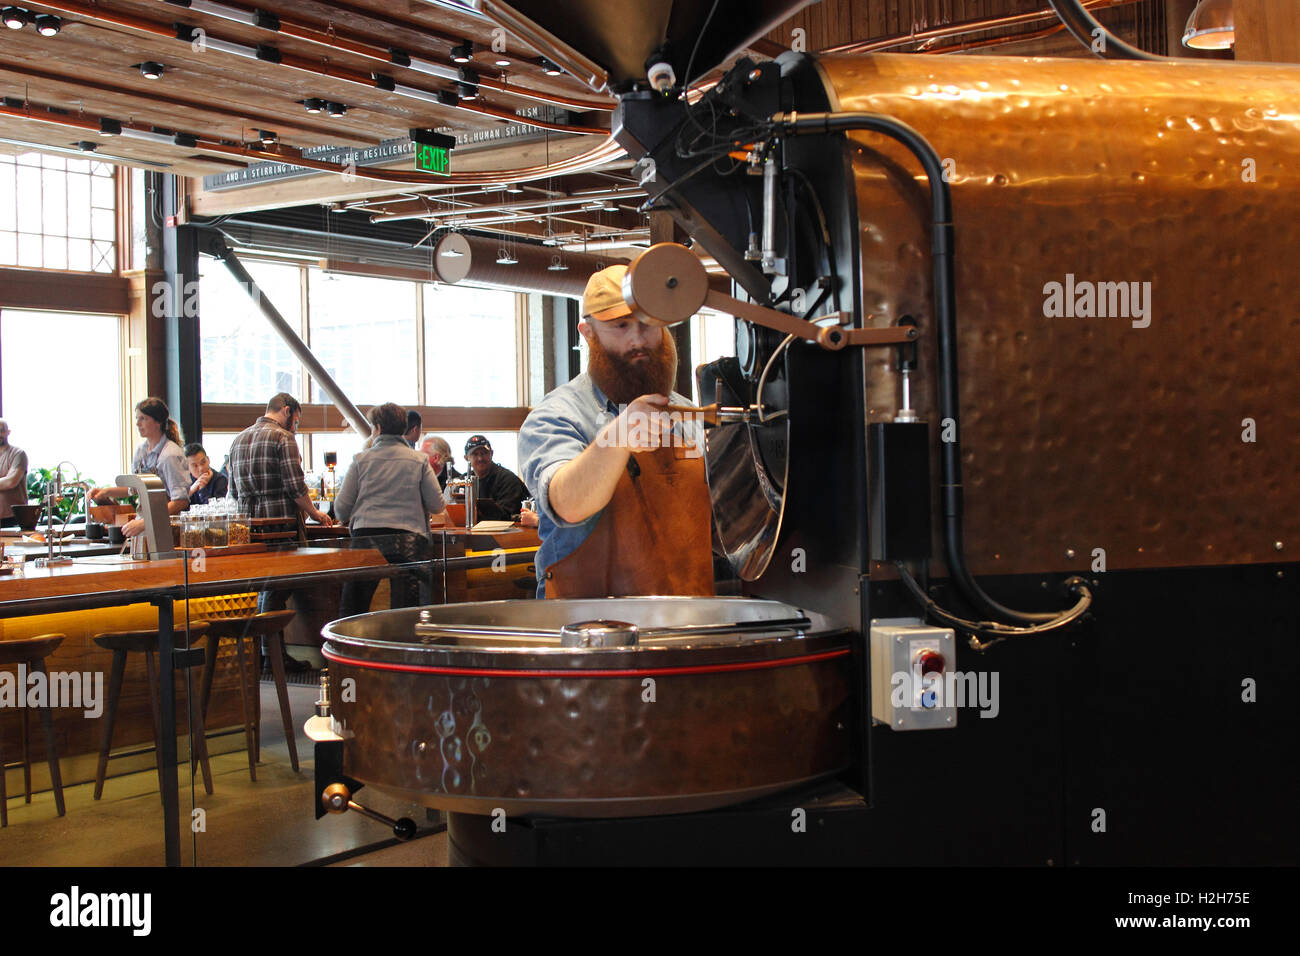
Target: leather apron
654, 536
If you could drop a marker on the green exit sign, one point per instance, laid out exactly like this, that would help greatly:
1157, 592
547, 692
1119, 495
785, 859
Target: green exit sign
433, 159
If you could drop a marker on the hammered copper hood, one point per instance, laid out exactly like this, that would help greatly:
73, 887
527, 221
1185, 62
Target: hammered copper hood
618, 36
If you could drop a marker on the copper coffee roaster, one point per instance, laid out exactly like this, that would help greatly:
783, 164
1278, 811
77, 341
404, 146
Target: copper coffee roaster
1119, 480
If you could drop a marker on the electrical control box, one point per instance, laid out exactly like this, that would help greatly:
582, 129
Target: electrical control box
910, 667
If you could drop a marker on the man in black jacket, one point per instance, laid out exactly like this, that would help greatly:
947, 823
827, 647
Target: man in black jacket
500, 484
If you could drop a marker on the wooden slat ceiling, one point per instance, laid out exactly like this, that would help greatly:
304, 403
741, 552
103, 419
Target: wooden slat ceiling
89, 70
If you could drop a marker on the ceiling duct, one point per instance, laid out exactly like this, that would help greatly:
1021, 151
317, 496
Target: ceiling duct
472, 260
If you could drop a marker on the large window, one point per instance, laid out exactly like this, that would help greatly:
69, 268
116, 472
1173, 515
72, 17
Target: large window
363, 332
244, 360
69, 409
471, 351
57, 213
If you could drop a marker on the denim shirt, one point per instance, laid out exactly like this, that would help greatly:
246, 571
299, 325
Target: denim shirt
564, 423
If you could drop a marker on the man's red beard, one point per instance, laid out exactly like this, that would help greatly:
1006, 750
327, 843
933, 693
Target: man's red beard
624, 379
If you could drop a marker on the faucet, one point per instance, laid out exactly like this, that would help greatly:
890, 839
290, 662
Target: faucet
53, 494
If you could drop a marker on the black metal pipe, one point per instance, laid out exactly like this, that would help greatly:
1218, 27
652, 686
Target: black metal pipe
945, 306
1085, 28
218, 248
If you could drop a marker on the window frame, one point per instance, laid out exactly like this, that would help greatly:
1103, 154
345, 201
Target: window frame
324, 418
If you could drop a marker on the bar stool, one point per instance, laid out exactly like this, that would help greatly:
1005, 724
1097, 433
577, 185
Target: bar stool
268, 625
32, 652
122, 643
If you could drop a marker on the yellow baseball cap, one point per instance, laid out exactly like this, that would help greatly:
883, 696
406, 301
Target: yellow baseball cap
602, 300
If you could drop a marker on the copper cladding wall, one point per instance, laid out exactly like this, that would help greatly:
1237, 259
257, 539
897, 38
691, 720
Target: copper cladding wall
1083, 433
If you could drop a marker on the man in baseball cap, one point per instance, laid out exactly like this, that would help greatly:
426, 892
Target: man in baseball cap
495, 481
622, 502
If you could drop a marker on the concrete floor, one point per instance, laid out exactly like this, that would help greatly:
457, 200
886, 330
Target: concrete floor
267, 823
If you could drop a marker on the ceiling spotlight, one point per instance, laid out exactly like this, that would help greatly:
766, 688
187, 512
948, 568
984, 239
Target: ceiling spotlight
335, 109
314, 104
502, 61
15, 18
151, 70
186, 140
549, 68
504, 258
267, 138
109, 127
514, 188
463, 52
467, 91
86, 146
47, 25
557, 265
1210, 26
451, 253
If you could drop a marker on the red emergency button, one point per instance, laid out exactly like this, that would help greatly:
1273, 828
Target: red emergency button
931, 662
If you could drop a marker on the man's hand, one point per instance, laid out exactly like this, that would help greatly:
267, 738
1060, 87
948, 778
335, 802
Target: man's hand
133, 527
527, 519
643, 425
583, 486
202, 481
325, 520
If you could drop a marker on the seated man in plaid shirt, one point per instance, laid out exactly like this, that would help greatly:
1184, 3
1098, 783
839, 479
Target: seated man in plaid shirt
266, 476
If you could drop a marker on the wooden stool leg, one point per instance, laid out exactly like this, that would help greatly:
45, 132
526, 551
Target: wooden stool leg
209, 670
51, 748
199, 737
4, 793
155, 711
275, 647
110, 715
249, 740
257, 702
27, 753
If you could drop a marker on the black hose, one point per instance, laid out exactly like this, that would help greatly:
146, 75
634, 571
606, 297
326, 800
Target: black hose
994, 632
1087, 31
945, 306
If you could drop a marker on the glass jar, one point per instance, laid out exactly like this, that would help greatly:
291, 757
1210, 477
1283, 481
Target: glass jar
192, 530
241, 528
215, 531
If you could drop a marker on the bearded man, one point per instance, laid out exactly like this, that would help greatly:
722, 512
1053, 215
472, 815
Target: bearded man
622, 502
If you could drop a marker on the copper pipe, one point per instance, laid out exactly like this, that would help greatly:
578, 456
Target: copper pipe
956, 29
572, 61
303, 64
334, 41
993, 41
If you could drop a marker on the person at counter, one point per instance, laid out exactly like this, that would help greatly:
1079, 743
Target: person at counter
159, 454
495, 481
207, 484
389, 494
266, 476
438, 451
414, 425
13, 476
622, 502
266, 465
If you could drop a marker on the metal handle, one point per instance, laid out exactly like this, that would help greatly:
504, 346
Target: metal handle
337, 798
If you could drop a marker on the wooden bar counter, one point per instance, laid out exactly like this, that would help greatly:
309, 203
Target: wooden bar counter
108, 593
